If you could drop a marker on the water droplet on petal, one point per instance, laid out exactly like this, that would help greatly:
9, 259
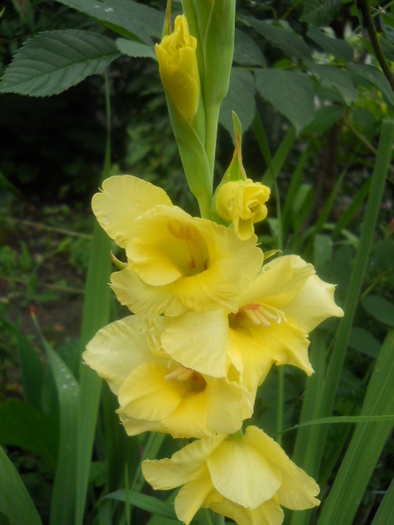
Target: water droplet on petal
105, 221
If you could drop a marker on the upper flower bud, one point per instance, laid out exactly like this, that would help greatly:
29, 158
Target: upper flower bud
243, 203
179, 69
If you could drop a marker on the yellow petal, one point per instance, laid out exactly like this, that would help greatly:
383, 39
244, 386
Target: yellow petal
186, 464
313, 304
119, 348
135, 426
279, 281
193, 496
146, 394
298, 490
269, 513
122, 200
143, 299
242, 474
198, 341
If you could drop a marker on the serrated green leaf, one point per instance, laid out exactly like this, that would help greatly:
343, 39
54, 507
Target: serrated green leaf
324, 118
246, 51
129, 19
240, 98
24, 426
375, 77
320, 12
57, 60
286, 39
331, 45
135, 49
379, 308
15, 501
290, 92
337, 78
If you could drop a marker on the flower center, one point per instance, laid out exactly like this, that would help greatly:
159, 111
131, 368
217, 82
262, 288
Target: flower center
259, 314
195, 381
193, 257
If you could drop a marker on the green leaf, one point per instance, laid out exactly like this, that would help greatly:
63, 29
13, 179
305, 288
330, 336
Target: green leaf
332, 46
240, 99
15, 502
148, 503
24, 426
324, 118
285, 39
135, 49
129, 19
375, 77
366, 445
290, 92
337, 78
320, 12
364, 342
379, 308
385, 513
57, 60
32, 372
246, 51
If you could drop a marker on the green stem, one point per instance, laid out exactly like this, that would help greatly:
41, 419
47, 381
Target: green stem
366, 12
211, 127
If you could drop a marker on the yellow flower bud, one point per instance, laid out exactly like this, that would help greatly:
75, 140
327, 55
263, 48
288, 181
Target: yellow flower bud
243, 203
179, 69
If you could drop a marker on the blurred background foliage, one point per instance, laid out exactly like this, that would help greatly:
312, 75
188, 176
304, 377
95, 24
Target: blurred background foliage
311, 96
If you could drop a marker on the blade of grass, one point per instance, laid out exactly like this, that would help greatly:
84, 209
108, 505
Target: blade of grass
63, 501
15, 501
385, 513
96, 312
315, 444
366, 445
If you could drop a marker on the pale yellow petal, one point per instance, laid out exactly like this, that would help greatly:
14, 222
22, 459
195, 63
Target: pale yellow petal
243, 474
198, 341
142, 298
298, 490
278, 282
229, 405
146, 394
193, 496
119, 348
135, 426
185, 464
313, 304
253, 349
269, 513
123, 199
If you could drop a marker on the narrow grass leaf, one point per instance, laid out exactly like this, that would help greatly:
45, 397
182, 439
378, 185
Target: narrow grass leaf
22, 425
385, 513
148, 503
316, 436
63, 501
96, 313
366, 445
32, 372
15, 501
151, 450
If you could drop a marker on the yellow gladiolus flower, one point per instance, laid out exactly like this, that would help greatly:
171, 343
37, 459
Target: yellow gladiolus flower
179, 69
276, 312
243, 203
246, 478
157, 394
175, 262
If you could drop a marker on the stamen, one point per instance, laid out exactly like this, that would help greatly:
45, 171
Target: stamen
187, 375
264, 315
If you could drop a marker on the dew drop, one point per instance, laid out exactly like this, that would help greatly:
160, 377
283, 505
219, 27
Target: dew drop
108, 10
105, 221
